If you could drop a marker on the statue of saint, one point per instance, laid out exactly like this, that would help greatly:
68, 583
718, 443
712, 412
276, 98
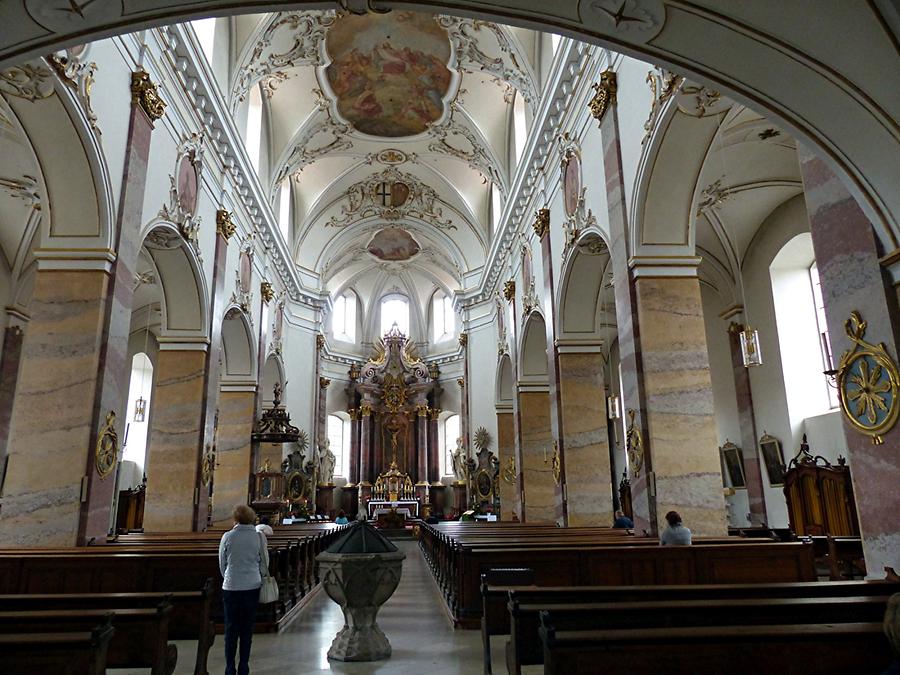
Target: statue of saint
459, 461
326, 464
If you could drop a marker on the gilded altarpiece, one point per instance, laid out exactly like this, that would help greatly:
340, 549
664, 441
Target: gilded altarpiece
396, 391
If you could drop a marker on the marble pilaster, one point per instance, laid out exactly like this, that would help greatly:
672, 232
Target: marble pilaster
422, 444
174, 444
539, 501
756, 495
683, 452
211, 435
506, 448
365, 445
60, 359
233, 453
632, 395
434, 450
582, 401
852, 280
10, 358
322, 412
353, 470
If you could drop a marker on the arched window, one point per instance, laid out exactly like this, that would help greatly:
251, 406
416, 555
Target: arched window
395, 310
343, 317
443, 315
449, 433
339, 442
284, 208
205, 29
520, 127
140, 388
253, 135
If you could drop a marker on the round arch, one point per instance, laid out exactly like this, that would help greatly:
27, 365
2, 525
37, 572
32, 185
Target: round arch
238, 349
533, 351
814, 83
505, 386
272, 374
185, 311
581, 314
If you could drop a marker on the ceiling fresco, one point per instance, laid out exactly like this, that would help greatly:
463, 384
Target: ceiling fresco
393, 244
389, 73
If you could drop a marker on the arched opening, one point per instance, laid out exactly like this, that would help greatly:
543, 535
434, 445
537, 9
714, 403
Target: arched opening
339, 441
273, 373
395, 311
443, 317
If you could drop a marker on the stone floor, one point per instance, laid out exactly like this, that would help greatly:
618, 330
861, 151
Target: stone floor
414, 619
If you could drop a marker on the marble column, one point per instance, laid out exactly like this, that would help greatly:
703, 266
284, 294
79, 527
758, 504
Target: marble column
542, 229
509, 291
539, 501
756, 494
176, 435
365, 445
852, 280
233, 452
49, 448
353, 471
506, 448
422, 444
322, 413
434, 450
683, 451
9, 375
582, 402
632, 395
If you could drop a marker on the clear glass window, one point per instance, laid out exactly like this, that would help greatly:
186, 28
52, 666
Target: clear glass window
284, 208
444, 317
395, 310
447, 440
822, 326
253, 136
339, 441
343, 317
520, 128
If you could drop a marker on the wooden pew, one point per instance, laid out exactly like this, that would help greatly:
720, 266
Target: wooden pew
141, 637
526, 603
513, 575
190, 619
737, 650
81, 653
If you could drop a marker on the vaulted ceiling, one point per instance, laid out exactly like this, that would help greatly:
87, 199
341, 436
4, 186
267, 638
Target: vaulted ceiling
392, 129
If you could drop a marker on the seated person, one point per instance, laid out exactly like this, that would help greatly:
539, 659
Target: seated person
341, 518
623, 522
265, 526
675, 534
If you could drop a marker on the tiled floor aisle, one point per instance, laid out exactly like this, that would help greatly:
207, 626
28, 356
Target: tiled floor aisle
414, 620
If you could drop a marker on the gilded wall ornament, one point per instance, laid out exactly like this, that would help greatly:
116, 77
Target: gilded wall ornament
106, 452
509, 290
634, 445
78, 75
324, 382
320, 342
145, 94
663, 84
555, 463
509, 471
207, 465
267, 291
604, 94
868, 383
463, 340
541, 223
224, 224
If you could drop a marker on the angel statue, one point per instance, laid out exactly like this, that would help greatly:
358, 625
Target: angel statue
326, 463
459, 461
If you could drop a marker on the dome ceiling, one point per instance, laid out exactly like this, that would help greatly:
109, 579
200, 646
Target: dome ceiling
392, 129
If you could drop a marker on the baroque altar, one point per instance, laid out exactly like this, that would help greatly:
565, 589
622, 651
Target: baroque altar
394, 400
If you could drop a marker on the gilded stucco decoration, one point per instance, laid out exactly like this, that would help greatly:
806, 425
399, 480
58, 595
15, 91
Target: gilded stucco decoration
145, 94
24, 188
31, 81
663, 84
641, 20
509, 471
106, 452
541, 222
207, 465
225, 226
604, 94
634, 445
868, 382
267, 291
509, 290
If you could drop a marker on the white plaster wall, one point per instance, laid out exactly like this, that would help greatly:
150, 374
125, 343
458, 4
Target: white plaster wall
634, 102
482, 386
302, 387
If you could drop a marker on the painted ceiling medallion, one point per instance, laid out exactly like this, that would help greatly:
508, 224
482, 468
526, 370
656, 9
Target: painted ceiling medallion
389, 73
393, 244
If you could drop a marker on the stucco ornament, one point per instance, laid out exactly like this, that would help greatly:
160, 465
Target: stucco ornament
641, 20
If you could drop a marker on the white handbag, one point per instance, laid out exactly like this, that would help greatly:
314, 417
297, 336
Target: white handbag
268, 591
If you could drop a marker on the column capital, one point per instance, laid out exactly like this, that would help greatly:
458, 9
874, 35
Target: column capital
145, 94
267, 291
463, 339
354, 414
365, 410
605, 94
509, 290
324, 382
422, 409
225, 226
541, 222
434, 413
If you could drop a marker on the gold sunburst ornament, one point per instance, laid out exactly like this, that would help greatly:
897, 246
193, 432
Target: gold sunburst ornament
868, 382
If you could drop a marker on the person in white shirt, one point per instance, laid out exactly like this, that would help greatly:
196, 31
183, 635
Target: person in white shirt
675, 534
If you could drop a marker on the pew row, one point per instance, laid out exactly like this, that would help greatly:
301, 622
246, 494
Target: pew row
81, 653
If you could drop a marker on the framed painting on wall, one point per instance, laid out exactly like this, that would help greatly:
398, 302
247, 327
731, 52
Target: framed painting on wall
734, 465
770, 447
